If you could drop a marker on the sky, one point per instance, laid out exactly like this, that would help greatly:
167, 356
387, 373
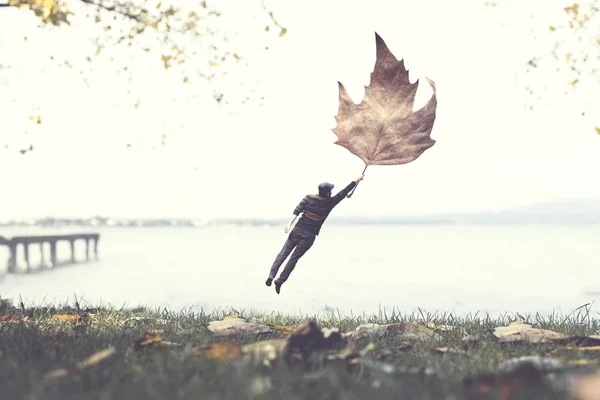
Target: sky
490, 153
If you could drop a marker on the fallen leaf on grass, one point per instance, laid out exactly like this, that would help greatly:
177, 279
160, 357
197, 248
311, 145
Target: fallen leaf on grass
521, 332
233, 325
68, 318
308, 337
149, 340
13, 318
88, 362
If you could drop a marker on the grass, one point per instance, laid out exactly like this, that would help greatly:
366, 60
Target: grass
395, 368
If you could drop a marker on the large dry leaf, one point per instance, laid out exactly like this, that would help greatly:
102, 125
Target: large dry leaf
521, 332
88, 362
383, 129
233, 325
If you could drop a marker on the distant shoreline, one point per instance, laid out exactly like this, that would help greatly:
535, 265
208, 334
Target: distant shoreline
585, 212
196, 223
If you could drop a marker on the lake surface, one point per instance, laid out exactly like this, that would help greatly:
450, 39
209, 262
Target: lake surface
353, 268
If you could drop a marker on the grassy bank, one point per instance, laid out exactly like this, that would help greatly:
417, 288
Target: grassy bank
99, 353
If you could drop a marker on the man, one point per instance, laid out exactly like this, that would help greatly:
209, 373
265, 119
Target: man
315, 210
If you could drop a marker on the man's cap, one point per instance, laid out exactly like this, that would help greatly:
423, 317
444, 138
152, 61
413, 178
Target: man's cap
326, 186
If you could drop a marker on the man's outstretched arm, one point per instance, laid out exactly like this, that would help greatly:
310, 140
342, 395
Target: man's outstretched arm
289, 224
299, 209
344, 192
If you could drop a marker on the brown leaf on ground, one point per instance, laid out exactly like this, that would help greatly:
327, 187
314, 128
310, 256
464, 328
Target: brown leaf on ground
69, 318
94, 359
308, 337
13, 318
234, 325
521, 332
149, 340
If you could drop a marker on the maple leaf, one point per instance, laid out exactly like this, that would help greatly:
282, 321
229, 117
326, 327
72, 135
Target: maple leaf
383, 129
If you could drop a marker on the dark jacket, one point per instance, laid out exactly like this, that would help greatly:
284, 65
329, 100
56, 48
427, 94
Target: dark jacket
315, 209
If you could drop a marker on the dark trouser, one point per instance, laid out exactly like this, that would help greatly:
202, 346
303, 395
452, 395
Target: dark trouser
301, 240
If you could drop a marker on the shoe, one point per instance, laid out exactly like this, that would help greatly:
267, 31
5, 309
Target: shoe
268, 282
278, 286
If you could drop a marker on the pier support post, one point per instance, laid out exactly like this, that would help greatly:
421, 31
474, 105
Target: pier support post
42, 258
87, 249
26, 255
12, 261
53, 253
96, 247
72, 243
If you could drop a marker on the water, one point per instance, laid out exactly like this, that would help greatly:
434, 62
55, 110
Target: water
354, 269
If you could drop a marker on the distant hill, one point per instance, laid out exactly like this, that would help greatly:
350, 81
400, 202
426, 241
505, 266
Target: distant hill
564, 211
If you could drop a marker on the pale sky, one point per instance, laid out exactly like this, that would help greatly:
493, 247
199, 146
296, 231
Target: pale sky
490, 153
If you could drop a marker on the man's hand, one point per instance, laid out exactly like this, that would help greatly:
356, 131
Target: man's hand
360, 178
287, 228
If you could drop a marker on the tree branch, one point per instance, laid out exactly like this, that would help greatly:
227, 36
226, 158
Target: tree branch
112, 9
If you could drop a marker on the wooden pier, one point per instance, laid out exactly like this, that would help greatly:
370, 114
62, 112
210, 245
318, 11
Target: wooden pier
16, 241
